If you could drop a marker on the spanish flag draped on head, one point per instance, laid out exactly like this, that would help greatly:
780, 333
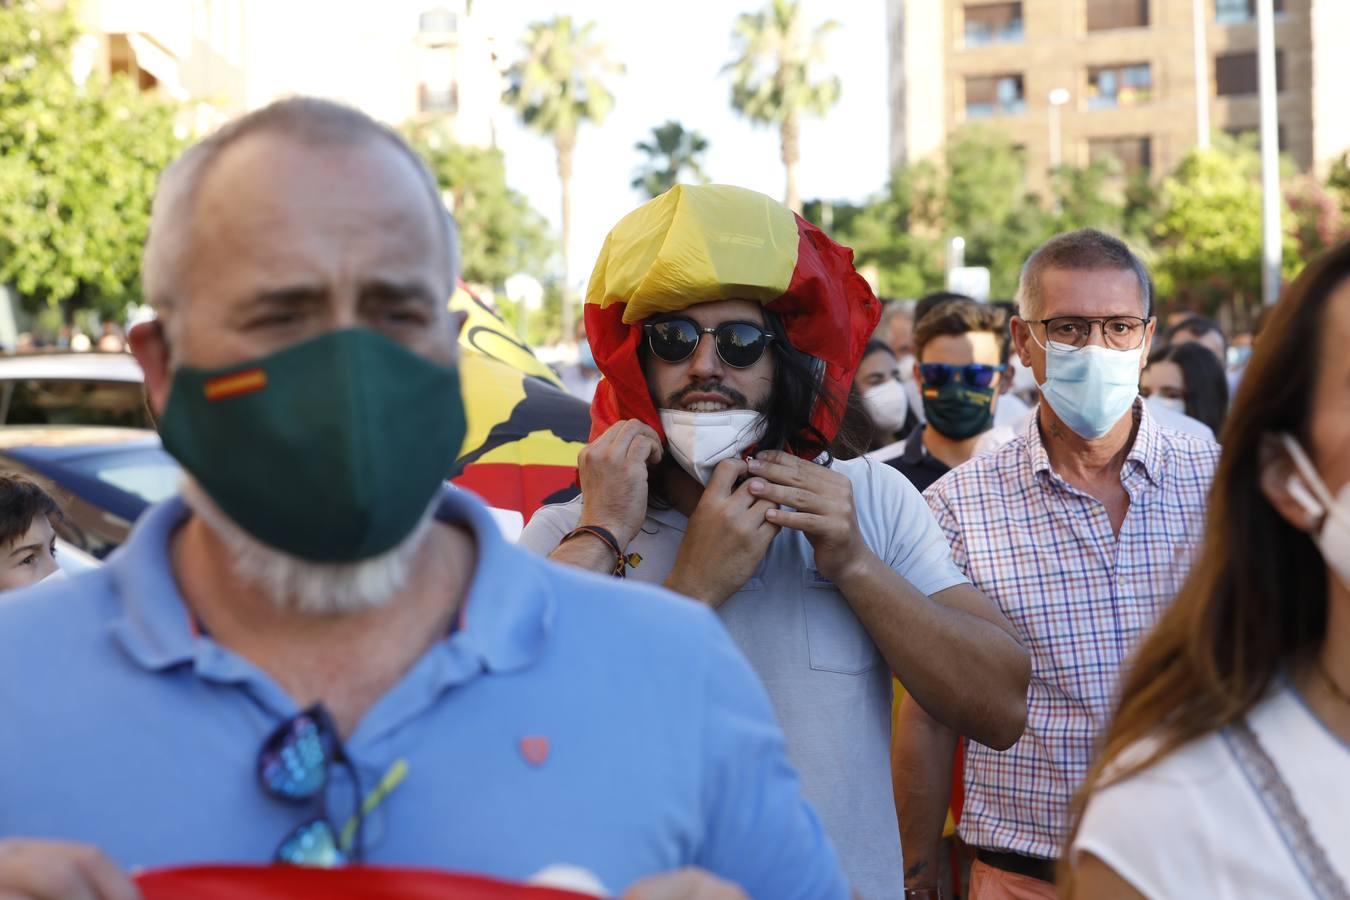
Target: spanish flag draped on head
698, 243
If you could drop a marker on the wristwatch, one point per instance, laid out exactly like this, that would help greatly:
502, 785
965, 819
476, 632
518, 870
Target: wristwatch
924, 893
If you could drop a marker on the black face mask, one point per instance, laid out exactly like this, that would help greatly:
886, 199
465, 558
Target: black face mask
957, 411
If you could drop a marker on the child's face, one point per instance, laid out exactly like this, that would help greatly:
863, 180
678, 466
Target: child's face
31, 558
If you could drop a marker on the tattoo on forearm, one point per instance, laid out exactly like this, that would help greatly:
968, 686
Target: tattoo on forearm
917, 869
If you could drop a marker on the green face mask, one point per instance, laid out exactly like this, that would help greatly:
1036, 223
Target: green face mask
330, 450
957, 411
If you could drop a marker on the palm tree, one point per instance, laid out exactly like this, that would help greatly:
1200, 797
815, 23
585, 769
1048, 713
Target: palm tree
556, 87
671, 151
771, 78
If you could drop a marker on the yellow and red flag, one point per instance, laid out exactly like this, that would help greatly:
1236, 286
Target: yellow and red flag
697, 243
524, 430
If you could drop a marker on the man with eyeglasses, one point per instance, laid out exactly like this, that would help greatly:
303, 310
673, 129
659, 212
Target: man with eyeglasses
320, 653
728, 331
1081, 529
959, 369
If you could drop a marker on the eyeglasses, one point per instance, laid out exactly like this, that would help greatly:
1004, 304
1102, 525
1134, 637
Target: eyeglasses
974, 375
739, 344
293, 766
1118, 332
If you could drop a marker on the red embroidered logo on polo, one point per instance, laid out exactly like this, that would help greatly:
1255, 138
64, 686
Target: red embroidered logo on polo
535, 749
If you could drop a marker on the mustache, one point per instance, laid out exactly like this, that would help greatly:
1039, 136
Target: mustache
734, 397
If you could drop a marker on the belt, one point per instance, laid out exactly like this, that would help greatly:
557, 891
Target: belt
1016, 863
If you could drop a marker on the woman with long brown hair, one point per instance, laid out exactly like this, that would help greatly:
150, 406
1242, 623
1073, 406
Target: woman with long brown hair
1226, 770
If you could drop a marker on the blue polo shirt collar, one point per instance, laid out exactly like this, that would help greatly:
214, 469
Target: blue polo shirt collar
504, 624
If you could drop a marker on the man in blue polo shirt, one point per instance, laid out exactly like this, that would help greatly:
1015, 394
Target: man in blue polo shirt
319, 654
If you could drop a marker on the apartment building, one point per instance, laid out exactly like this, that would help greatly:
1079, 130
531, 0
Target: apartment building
1080, 80
400, 61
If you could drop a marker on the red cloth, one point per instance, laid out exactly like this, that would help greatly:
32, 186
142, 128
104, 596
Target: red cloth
228, 882
523, 487
828, 311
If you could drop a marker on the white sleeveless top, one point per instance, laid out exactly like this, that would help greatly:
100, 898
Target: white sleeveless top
1192, 825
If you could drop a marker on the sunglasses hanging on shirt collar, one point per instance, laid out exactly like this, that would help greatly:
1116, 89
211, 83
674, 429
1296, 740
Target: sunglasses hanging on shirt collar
294, 765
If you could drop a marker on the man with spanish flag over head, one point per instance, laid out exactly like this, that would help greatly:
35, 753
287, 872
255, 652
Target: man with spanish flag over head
728, 330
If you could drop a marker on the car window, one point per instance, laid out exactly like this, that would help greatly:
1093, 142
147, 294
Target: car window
149, 473
34, 401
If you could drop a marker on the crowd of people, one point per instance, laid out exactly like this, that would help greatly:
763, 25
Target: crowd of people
111, 338
829, 582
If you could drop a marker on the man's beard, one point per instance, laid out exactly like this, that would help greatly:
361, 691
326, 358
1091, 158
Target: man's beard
299, 585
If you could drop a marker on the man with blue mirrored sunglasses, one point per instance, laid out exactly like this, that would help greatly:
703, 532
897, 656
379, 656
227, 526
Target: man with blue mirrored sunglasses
960, 346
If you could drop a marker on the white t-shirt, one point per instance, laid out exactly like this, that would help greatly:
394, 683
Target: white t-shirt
1010, 411
826, 678
1192, 825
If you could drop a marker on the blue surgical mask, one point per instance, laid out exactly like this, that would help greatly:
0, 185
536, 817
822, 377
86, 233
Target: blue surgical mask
1092, 387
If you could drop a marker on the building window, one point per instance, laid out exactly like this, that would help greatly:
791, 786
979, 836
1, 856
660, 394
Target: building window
438, 99
1235, 74
993, 23
1107, 15
1135, 154
994, 95
437, 21
1235, 12
1112, 86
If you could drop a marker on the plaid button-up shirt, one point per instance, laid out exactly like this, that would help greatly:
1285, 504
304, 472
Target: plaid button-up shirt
1079, 596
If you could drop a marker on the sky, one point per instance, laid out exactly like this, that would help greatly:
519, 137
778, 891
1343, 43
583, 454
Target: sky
673, 54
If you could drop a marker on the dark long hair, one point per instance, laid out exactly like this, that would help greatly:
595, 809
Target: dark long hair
1206, 383
858, 433
798, 389
1255, 600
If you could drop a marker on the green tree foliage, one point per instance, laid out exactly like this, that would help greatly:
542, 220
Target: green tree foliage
539, 327
1208, 231
985, 200
1338, 181
669, 153
772, 79
832, 216
558, 85
1319, 220
893, 233
1092, 196
500, 233
1199, 228
976, 191
78, 167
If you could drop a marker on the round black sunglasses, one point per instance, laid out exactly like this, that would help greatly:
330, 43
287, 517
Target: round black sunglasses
739, 344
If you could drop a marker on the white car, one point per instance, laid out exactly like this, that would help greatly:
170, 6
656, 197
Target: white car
64, 388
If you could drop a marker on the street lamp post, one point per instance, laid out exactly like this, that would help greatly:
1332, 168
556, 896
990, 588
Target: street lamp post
956, 257
1271, 249
1201, 75
1058, 97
